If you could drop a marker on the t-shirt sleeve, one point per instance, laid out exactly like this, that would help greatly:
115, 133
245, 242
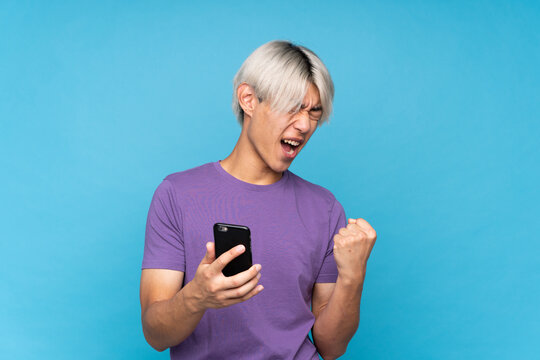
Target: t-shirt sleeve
164, 243
329, 272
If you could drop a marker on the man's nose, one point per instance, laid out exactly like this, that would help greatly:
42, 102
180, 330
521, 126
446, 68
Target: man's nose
301, 121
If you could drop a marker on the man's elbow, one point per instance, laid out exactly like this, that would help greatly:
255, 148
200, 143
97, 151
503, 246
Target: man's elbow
150, 339
330, 357
329, 349
334, 355
155, 346
160, 349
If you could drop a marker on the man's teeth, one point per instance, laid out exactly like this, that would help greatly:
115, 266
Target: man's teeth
294, 143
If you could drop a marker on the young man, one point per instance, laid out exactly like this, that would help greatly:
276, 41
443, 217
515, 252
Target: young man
304, 252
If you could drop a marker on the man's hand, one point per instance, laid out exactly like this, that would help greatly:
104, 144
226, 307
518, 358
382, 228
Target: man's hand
212, 289
352, 247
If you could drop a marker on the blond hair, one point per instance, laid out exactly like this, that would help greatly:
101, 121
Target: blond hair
280, 72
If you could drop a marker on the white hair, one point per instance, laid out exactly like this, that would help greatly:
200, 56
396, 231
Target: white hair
280, 72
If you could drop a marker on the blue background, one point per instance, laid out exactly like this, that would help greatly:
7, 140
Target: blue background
434, 141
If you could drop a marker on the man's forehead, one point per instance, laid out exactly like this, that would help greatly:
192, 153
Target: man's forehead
312, 94
313, 100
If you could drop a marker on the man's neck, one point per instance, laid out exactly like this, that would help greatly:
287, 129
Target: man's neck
247, 166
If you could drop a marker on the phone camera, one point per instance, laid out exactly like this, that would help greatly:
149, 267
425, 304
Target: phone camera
223, 228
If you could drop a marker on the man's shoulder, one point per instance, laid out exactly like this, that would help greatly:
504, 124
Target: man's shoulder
313, 191
189, 176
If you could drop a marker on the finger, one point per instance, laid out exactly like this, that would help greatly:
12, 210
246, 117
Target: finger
352, 221
210, 255
242, 290
249, 295
226, 258
361, 222
354, 228
365, 226
241, 278
253, 292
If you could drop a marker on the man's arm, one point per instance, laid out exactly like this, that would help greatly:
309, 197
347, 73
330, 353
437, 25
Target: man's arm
167, 317
336, 307
170, 314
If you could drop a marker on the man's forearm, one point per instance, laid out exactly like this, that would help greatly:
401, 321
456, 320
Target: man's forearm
169, 322
338, 321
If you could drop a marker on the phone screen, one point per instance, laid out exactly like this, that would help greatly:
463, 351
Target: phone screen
227, 236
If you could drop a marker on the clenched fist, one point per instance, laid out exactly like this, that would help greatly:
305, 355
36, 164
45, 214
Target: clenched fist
352, 246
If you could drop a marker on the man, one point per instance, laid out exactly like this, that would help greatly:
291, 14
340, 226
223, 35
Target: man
303, 250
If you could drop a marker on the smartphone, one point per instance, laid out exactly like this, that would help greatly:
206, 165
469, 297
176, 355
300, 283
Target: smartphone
227, 236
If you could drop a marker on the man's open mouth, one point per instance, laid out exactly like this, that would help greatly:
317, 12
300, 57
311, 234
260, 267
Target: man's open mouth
290, 147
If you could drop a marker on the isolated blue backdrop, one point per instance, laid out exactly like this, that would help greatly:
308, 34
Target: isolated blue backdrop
434, 141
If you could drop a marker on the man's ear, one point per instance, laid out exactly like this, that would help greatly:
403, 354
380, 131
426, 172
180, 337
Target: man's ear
247, 99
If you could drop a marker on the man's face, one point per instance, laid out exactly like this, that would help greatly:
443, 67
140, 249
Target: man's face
268, 130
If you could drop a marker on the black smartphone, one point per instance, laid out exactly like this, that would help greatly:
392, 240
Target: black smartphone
227, 236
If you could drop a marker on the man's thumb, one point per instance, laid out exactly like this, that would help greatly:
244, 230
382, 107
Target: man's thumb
210, 255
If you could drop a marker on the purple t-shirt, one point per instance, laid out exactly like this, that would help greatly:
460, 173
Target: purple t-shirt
292, 223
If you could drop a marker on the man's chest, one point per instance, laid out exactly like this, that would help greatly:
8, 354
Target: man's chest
289, 247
